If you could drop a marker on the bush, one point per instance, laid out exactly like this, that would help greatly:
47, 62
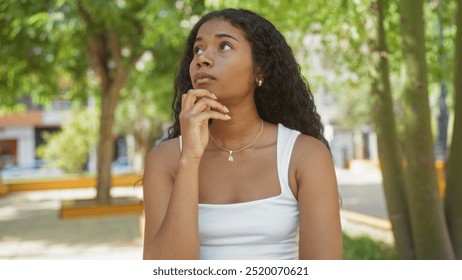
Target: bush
365, 248
69, 148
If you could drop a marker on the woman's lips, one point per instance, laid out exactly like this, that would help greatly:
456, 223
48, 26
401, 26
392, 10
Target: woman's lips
203, 77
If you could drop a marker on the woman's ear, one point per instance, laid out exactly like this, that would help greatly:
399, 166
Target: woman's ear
259, 77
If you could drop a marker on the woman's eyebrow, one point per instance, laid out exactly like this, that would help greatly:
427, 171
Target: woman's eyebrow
224, 35
219, 35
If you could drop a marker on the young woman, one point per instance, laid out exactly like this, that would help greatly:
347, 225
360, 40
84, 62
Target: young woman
246, 172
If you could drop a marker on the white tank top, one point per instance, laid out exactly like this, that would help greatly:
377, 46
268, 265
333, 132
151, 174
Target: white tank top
262, 229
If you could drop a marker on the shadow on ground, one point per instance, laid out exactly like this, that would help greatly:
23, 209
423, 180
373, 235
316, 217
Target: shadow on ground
30, 228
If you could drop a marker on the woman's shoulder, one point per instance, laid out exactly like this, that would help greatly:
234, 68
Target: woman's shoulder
168, 144
165, 153
313, 164
308, 148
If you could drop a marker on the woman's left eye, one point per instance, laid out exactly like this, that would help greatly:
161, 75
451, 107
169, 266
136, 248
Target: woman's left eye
225, 47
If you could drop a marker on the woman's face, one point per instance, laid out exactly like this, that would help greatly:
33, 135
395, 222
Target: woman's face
222, 61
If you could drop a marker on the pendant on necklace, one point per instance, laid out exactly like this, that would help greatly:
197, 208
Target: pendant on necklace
230, 158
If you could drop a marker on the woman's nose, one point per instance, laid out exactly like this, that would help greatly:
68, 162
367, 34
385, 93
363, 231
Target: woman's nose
205, 58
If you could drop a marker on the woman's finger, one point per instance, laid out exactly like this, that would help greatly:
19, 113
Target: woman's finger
193, 95
209, 114
206, 103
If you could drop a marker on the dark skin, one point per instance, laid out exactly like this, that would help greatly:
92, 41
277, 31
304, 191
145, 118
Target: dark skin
224, 79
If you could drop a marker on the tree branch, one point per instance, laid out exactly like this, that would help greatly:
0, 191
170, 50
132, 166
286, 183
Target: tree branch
97, 51
114, 46
99, 58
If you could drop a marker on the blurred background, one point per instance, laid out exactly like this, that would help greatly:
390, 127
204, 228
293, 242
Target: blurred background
86, 89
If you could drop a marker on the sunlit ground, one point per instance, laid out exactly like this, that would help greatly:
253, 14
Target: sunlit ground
30, 228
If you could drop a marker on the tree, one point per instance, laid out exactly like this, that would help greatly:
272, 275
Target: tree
388, 143
453, 195
414, 245
431, 239
105, 27
79, 48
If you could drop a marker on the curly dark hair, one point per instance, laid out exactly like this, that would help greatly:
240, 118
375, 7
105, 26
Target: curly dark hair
283, 98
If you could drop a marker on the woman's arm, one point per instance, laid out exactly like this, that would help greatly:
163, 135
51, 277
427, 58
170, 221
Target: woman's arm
171, 201
320, 228
171, 183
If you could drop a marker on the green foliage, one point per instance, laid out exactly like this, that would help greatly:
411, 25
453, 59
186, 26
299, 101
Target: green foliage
366, 248
45, 52
68, 149
44, 49
44, 45
40, 52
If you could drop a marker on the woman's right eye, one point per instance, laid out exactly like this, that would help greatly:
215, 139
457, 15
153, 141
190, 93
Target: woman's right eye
198, 50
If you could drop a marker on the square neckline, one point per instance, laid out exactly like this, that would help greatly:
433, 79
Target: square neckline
280, 179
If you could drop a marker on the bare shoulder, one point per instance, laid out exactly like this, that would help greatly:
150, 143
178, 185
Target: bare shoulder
312, 163
309, 149
163, 158
170, 146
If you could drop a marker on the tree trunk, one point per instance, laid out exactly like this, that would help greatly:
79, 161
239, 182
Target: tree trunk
429, 229
109, 101
103, 48
453, 195
105, 152
390, 156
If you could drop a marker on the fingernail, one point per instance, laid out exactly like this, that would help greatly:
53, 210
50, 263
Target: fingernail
214, 96
225, 109
227, 116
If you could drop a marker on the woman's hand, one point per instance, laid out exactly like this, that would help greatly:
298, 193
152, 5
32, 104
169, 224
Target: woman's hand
198, 106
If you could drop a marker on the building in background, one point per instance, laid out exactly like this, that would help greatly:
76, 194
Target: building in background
22, 132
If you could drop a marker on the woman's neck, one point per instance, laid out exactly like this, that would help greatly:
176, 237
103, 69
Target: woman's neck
244, 125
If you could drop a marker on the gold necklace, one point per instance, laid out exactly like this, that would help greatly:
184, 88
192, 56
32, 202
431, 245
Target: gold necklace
230, 157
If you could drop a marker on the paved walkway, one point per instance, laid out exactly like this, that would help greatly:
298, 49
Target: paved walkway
30, 227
